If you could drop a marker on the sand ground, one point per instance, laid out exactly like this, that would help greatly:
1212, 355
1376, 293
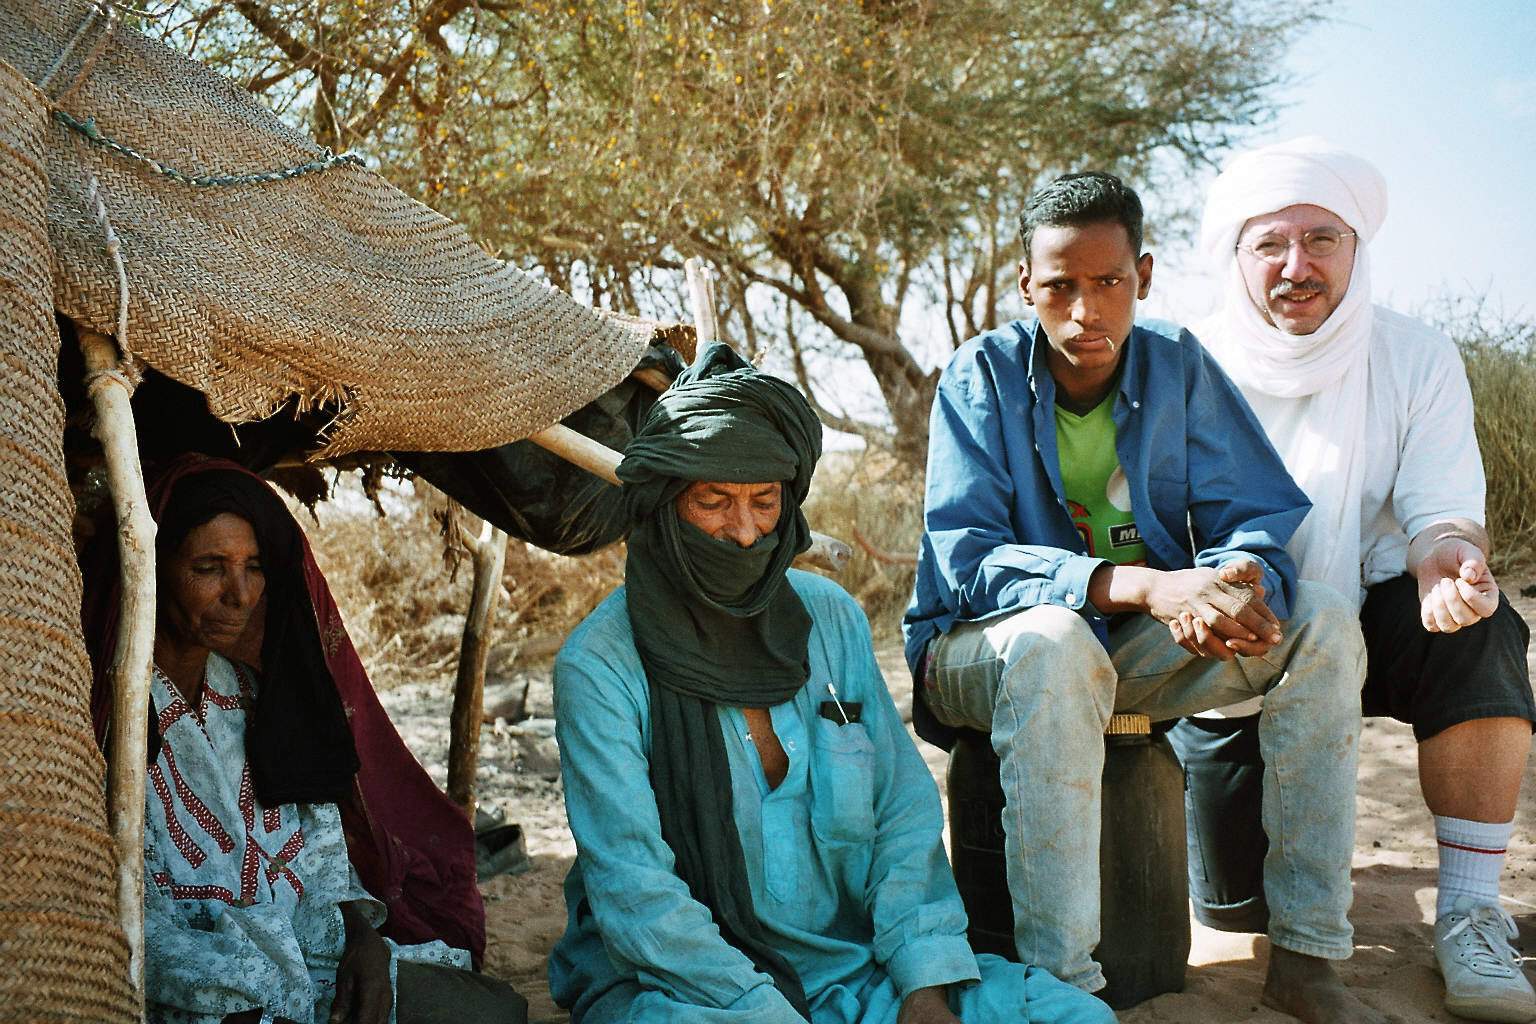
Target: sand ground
1394, 869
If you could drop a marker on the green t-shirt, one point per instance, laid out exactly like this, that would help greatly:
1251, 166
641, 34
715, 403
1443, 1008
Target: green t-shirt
1097, 493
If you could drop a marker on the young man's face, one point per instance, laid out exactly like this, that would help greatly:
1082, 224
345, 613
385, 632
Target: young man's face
1083, 283
1298, 293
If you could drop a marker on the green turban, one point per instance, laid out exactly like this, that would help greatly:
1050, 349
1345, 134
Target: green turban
716, 623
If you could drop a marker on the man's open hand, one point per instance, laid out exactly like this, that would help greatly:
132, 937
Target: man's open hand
1456, 587
1215, 613
926, 1006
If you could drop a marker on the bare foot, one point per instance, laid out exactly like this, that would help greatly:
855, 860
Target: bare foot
1307, 988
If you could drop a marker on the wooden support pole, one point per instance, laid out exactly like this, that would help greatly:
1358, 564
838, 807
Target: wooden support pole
580, 450
701, 289
490, 556
131, 663
656, 380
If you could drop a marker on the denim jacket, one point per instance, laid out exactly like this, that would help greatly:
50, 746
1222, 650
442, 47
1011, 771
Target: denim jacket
1205, 483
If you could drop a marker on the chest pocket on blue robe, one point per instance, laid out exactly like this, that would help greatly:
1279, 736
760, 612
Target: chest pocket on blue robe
842, 782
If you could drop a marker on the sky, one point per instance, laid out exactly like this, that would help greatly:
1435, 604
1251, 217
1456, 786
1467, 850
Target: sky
1442, 98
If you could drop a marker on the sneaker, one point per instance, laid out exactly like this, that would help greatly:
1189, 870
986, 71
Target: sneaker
1483, 976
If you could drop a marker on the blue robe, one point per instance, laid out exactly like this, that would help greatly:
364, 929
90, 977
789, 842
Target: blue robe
844, 857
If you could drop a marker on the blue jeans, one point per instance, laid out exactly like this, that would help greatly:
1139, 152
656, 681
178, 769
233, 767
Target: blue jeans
1429, 680
1044, 688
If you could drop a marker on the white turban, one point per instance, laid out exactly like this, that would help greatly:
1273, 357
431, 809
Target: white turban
1308, 170
1321, 434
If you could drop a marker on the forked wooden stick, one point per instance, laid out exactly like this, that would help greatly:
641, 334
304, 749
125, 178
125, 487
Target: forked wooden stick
131, 662
701, 289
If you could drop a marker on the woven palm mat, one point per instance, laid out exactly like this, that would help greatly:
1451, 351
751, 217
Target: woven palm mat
334, 286
62, 952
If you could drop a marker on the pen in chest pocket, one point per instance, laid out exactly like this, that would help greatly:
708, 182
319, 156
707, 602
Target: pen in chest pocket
839, 713
840, 709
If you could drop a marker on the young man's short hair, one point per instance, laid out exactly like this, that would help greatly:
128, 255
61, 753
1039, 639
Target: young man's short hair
1077, 200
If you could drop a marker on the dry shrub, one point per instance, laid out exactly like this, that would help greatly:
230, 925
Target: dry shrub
1500, 353
549, 595
871, 495
404, 603
403, 610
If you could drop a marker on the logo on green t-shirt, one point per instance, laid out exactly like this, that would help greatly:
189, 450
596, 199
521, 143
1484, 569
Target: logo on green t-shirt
1098, 495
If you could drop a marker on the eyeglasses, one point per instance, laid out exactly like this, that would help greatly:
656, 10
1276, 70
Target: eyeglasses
1318, 244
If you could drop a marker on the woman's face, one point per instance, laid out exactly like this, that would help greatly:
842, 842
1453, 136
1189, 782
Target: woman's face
212, 584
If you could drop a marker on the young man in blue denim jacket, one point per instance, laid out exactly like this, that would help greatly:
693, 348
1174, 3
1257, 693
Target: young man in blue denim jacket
1105, 529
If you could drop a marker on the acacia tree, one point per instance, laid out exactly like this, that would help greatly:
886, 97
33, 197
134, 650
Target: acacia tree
844, 162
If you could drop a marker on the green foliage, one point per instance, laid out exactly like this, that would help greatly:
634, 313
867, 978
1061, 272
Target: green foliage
846, 162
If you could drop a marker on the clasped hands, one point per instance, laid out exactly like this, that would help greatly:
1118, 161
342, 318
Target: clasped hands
1211, 613
1215, 613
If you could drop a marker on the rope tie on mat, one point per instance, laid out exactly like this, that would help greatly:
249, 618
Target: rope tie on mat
97, 11
88, 129
98, 379
98, 206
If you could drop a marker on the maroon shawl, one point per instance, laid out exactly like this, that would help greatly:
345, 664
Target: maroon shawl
413, 849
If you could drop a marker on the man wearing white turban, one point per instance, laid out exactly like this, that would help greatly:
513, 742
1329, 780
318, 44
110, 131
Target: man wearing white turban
1372, 414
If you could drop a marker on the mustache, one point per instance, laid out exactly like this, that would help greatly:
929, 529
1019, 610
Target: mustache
1288, 288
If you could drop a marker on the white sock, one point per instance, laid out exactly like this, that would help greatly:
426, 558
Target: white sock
1471, 859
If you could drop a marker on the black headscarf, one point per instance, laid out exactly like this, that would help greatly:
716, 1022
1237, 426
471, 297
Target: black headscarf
297, 741
716, 623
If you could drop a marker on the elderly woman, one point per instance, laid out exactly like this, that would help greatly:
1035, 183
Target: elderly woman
253, 911
758, 839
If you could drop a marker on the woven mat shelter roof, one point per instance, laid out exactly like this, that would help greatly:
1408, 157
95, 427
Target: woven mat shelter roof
334, 286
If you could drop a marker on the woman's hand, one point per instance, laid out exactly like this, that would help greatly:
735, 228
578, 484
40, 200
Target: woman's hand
363, 993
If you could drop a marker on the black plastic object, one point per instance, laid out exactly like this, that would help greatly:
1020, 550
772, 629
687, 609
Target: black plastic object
1143, 864
501, 850
1223, 809
1144, 919
534, 494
